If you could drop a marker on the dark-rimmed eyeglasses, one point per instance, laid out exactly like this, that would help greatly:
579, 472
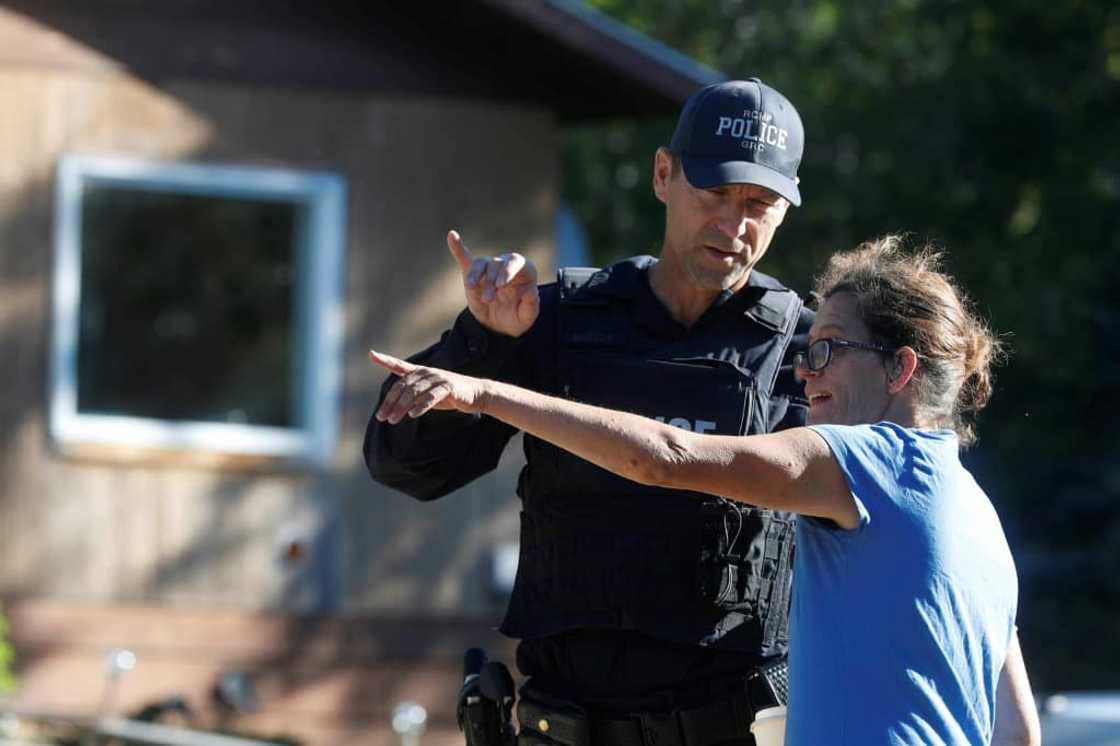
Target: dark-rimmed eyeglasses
818, 355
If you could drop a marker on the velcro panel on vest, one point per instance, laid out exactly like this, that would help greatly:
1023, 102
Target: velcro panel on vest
587, 319
776, 310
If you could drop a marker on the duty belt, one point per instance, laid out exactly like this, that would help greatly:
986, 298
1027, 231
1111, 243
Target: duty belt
722, 721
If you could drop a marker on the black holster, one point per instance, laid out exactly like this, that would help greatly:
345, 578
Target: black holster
484, 720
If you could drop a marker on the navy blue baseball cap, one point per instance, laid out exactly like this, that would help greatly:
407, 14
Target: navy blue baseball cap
740, 132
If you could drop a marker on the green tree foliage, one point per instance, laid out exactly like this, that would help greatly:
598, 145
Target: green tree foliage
7, 657
992, 128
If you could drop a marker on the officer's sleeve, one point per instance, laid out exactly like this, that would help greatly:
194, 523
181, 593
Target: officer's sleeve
788, 405
433, 455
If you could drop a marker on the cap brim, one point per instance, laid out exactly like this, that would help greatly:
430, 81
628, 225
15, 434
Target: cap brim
704, 173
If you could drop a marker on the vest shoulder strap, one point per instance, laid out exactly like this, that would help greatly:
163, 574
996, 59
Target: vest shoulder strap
777, 310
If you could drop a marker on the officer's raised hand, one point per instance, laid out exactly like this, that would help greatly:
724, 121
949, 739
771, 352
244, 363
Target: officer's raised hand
501, 291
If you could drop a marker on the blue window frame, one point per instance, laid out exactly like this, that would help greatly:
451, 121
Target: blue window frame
197, 307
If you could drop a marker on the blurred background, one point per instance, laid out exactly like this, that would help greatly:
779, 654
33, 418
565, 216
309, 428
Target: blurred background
209, 211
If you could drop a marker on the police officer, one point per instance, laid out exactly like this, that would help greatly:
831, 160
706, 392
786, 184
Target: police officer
643, 613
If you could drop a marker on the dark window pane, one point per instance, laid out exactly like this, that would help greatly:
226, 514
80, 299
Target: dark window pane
187, 306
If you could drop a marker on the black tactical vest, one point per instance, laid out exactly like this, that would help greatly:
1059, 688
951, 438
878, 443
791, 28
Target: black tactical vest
598, 550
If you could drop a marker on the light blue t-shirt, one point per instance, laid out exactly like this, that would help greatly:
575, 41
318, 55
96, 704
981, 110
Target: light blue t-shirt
899, 627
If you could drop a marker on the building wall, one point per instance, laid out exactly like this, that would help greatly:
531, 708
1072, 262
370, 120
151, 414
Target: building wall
322, 680
184, 531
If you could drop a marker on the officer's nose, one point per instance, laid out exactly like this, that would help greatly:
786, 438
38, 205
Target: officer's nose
733, 215
732, 223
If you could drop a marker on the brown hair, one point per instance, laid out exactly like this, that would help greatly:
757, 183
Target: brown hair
906, 300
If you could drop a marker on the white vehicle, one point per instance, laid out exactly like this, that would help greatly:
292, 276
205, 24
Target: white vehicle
1081, 719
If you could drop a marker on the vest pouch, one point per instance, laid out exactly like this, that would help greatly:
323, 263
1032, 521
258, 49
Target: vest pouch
546, 721
724, 553
745, 557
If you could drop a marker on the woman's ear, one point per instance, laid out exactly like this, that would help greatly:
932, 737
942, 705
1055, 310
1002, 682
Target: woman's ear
903, 367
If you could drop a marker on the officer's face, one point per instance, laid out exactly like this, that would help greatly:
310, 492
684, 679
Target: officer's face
853, 388
715, 235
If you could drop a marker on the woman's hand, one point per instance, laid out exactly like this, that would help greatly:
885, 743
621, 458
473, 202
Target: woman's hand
420, 389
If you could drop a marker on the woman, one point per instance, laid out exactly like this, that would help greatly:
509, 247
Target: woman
904, 604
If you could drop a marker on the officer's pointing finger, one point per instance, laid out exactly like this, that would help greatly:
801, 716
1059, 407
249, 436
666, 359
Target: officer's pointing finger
459, 250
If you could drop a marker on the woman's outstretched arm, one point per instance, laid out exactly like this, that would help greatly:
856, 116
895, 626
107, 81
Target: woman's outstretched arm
792, 470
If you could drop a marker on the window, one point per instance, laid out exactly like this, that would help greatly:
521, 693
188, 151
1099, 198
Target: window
197, 307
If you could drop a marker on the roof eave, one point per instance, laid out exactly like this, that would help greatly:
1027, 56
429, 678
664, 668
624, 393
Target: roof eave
632, 54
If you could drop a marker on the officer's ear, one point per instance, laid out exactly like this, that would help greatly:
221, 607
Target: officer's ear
665, 165
901, 369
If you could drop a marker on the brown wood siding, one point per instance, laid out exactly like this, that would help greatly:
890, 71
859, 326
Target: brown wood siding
324, 680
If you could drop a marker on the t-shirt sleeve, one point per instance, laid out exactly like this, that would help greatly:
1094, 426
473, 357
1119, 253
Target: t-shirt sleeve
866, 455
